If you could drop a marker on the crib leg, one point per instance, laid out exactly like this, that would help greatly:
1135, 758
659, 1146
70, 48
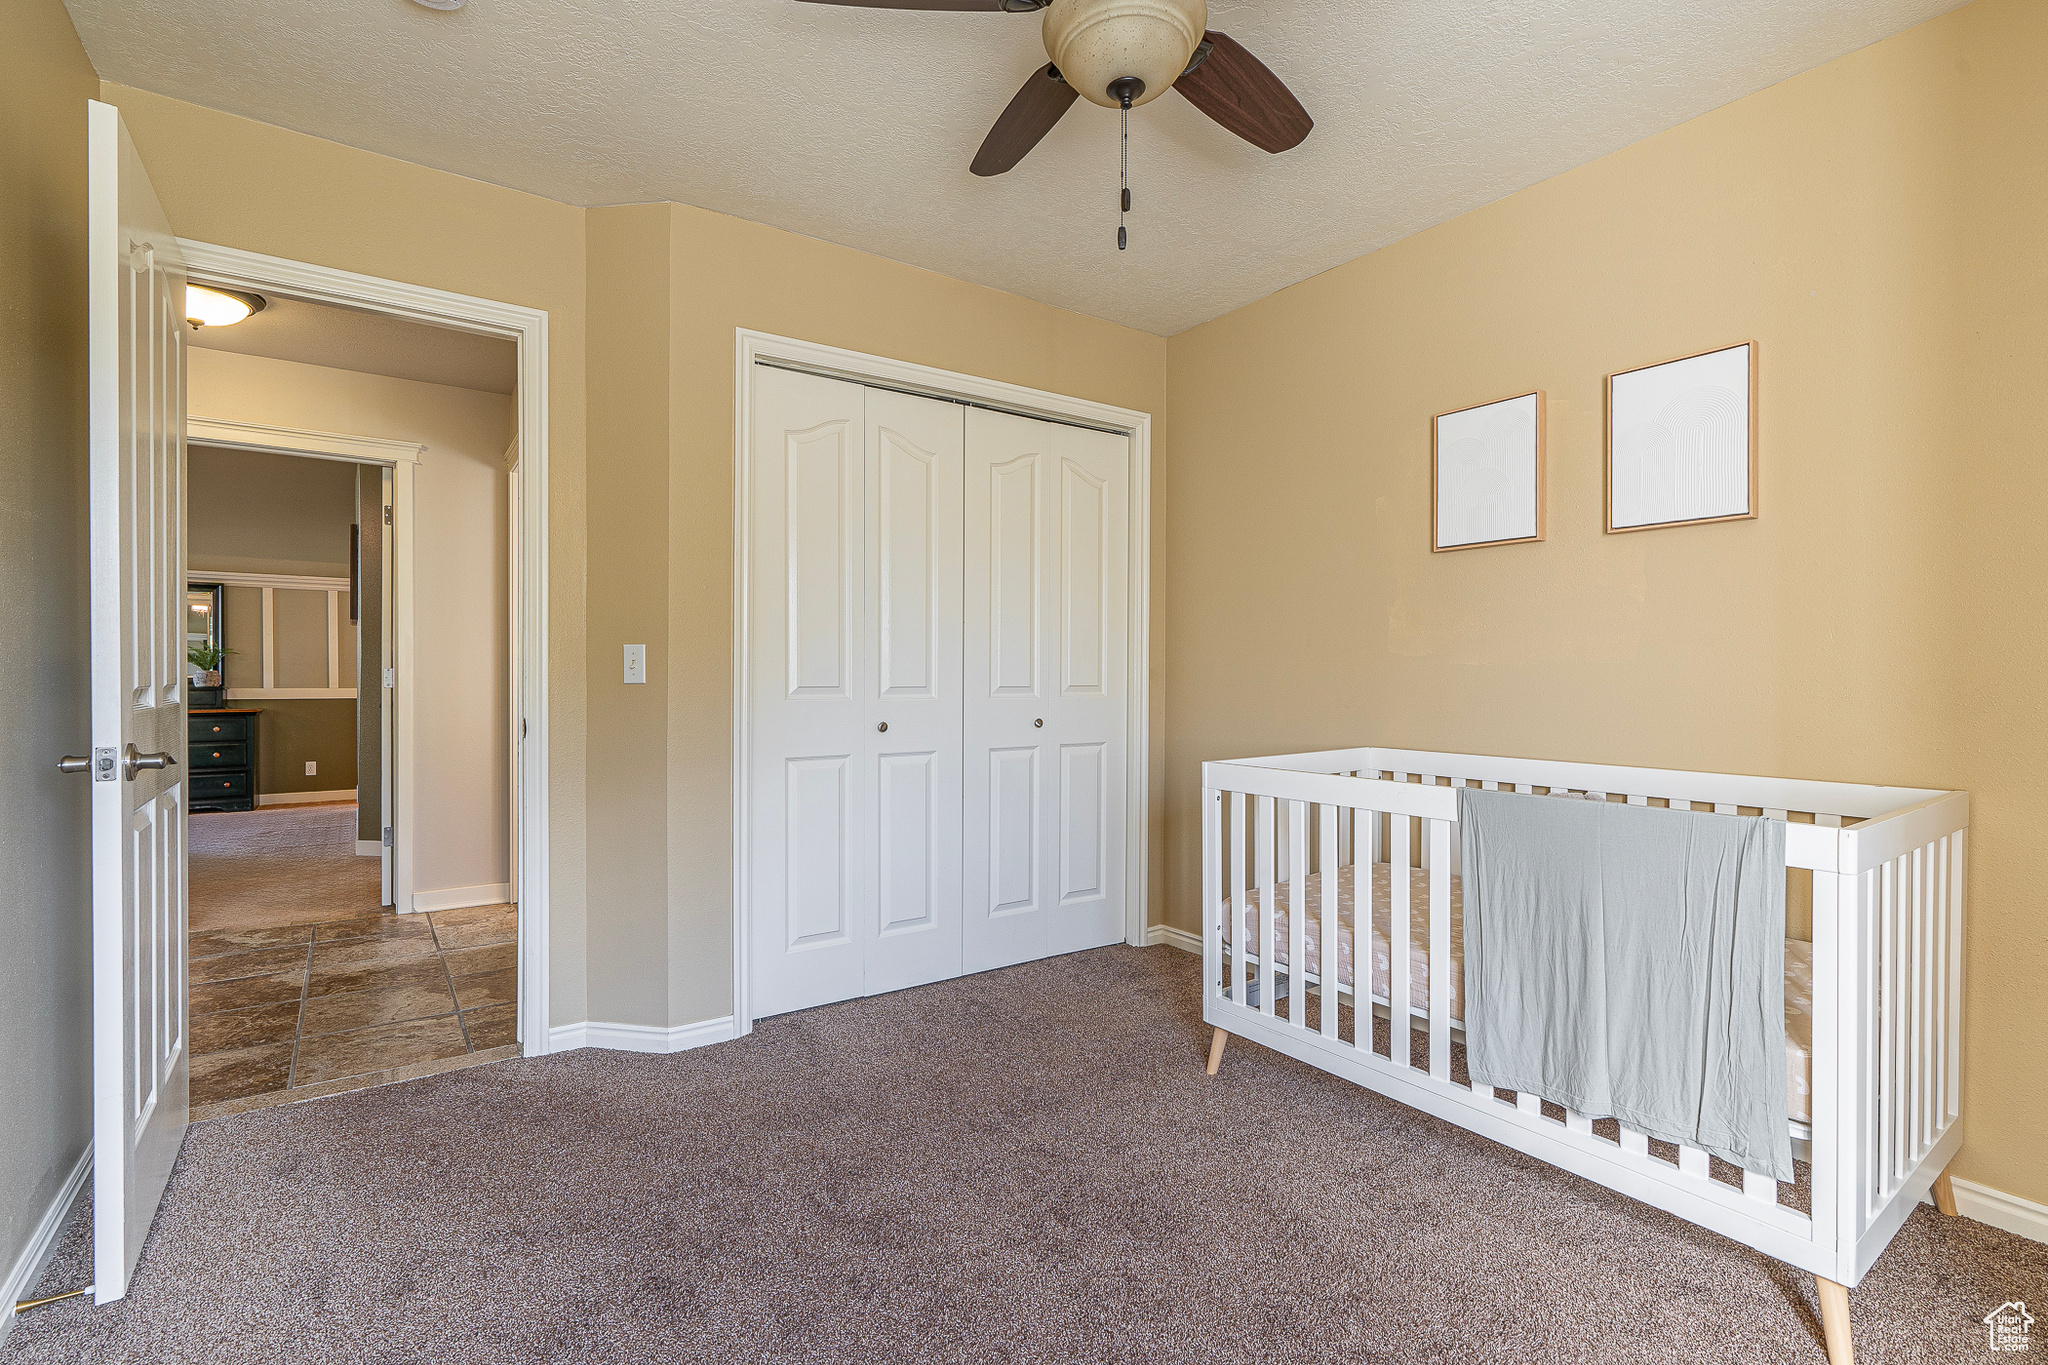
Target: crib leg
1834, 1321
1944, 1194
1216, 1050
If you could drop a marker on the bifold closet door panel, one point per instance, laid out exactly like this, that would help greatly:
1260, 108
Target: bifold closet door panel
1047, 678
914, 585
811, 885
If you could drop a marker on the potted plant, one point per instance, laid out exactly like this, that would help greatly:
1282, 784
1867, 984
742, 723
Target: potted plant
207, 658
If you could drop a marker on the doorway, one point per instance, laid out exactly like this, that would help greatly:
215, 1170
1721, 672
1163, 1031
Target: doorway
350, 860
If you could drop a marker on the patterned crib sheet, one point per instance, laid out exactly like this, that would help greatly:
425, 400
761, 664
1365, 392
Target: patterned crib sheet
1798, 958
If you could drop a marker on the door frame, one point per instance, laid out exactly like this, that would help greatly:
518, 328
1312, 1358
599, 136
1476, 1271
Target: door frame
402, 458
754, 349
235, 268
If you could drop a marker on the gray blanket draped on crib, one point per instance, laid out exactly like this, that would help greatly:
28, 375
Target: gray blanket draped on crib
1629, 961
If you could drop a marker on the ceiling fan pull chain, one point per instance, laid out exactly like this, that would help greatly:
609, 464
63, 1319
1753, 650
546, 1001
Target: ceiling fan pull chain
1123, 238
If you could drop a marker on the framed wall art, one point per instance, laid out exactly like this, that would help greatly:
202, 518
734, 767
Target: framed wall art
1681, 441
1486, 474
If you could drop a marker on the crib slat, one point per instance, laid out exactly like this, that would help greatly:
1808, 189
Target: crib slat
1693, 1161
1922, 1003
1632, 1141
1575, 1122
1528, 1103
1400, 844
1240, 931
1761, 1188
1262, 859
1364, 842
1326, 849
1440, 950
1887, 1026
1215, 915
1297, 912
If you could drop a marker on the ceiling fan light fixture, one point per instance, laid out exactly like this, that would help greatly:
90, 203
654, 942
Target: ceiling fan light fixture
1096, 43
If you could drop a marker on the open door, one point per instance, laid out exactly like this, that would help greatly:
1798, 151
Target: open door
137, 481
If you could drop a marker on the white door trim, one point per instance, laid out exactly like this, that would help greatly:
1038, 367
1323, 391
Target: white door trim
528, 327
752, 348
328, 445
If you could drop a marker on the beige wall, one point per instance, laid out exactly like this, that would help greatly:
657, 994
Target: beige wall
461, 600
1874, 226
45, 989
668, 287
236, 182
248, 512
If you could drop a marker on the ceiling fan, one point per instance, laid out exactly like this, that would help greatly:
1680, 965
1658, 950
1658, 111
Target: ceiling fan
1121, 54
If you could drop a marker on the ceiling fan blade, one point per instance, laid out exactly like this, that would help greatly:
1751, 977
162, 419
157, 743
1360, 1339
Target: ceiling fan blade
1008, 6
1233, 87
1029, 117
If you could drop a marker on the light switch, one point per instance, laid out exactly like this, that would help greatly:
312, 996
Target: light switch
636, 663
312, 768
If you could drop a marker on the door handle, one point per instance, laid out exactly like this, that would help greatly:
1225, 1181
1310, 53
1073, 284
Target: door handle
883, 726
136, 761
100, 765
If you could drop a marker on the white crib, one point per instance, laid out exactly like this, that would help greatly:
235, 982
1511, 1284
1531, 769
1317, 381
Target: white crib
1886, 866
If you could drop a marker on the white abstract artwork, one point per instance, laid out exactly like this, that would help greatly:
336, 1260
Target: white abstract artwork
1489, 474
1679, 441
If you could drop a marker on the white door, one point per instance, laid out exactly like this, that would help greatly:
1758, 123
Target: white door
1047, 675
137, 491
912, 715
854, 611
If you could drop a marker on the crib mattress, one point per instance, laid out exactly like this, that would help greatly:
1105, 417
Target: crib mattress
1798, 959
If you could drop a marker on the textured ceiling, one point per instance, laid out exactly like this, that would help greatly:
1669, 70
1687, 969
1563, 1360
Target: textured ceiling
857, 125
373, 343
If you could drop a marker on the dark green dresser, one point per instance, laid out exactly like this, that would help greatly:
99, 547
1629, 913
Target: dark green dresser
220, 752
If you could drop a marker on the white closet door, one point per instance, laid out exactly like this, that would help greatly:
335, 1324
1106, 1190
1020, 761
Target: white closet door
914, 578
812, 897
855, 640
1047, 672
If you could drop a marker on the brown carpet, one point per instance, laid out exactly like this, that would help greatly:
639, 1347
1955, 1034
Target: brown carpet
1026, 1165
279, 865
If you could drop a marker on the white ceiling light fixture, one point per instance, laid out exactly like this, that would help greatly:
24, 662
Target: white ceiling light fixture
440, 4
209, 307
1100, 46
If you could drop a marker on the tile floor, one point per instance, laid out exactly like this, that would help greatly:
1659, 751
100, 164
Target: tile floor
307, 1007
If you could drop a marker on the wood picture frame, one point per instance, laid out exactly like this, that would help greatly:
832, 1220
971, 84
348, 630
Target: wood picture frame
1627, 485
1520, 459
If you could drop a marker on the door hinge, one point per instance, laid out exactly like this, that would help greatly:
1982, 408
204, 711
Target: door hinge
387, 836
387, 516
391, 677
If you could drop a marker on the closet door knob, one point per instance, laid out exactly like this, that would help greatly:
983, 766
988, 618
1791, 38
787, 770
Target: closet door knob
1039, 723
883, 726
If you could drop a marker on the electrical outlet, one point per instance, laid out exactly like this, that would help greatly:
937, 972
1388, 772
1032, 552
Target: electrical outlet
312, 768
636, 663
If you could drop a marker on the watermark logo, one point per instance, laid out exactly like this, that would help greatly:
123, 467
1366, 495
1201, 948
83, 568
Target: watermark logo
2009, 1325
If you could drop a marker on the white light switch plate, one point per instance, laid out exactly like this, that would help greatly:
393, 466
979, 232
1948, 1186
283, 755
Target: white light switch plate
636, 663
312, 768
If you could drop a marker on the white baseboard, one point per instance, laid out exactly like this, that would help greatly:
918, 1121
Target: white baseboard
640, 1037
305, 798
2021, 1217
1157, 934
369, 848
42, 1244
461, 897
